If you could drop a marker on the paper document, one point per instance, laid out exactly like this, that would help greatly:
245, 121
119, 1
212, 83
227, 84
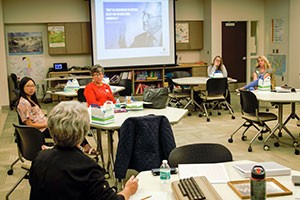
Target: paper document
149, 196
271, 168
215, 173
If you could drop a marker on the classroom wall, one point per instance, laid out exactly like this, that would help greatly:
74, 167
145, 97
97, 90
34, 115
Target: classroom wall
274, 47
4, 99
294, 44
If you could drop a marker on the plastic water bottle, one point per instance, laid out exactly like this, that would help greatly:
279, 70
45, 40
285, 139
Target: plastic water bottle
258, 183
118, 103
165, 172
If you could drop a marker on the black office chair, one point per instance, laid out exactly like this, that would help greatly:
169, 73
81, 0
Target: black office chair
29, 143
215, 93
199, 153
80, 95
178, 96
252, 116
14, 90
143, 143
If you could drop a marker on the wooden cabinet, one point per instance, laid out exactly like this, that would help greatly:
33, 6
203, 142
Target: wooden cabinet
192, 31
69, 38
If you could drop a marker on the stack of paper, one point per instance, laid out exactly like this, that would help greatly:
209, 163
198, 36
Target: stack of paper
215, 173
271, 168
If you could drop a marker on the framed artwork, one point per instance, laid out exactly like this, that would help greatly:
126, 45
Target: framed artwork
273, 188
182, 32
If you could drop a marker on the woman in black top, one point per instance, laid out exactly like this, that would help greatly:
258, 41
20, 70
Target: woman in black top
65, 172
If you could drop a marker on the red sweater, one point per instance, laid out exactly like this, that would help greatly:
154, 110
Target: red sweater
98, 94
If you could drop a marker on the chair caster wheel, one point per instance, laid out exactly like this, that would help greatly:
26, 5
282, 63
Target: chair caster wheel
297, 151
296, 144
244, 138
276, 144
200, 115
249, 149
208, 120
266, 147
189, 114
279, 134
230, 140
10, 172
260, 138
219, 113
106, 175
267, 109
232, 117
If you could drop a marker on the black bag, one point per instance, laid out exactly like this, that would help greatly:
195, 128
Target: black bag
157, 96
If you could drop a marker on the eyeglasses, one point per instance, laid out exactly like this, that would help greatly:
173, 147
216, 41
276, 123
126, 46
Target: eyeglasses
98, 74
32, 86
149, 16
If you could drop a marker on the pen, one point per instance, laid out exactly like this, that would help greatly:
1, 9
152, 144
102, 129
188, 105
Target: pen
147, 197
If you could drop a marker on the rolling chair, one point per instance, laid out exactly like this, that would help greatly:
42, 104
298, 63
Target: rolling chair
178, 97
252, 116
215, 90
29, 143
14, 90
143, 143
199, 153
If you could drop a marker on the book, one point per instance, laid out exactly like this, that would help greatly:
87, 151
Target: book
271, 168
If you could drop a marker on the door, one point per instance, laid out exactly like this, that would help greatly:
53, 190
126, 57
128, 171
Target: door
234, 49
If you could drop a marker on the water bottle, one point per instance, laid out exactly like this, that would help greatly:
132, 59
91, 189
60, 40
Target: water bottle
118, 103
258, 183
165, 172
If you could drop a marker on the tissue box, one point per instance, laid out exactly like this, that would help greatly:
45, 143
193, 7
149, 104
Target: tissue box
72, 86
103, 115
134, 106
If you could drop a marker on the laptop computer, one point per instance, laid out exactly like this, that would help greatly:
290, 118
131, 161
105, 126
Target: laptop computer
59, 67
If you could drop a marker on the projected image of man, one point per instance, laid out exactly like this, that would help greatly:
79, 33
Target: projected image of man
152, 25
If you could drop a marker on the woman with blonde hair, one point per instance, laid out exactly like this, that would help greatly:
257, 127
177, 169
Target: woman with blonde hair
263, 70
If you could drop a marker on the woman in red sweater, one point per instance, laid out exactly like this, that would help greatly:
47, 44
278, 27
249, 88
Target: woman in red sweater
98, 92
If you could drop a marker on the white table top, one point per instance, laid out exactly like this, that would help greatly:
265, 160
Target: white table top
277, 96
174, 115
113, 88
196, 80
149, 184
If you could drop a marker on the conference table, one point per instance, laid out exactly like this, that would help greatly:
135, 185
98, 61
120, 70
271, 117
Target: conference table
192, 82
71, 94
281, 98
174, 115
150, 185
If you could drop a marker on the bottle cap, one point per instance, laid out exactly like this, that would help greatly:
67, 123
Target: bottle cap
165, 161
258, 172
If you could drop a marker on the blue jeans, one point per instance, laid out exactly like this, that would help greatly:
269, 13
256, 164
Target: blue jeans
251, 86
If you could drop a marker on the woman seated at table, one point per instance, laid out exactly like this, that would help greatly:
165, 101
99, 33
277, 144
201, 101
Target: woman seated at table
64, 172
97, 92
31, 114
262, 70
218, 69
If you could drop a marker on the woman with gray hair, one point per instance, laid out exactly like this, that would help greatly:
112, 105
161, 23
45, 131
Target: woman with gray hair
65, 172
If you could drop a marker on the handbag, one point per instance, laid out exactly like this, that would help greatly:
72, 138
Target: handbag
157, 96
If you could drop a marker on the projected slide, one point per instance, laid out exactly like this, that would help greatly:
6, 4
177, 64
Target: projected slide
131, 33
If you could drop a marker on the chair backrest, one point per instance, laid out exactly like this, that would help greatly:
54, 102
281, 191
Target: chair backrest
216, 86
29, 141
15, 80
143, 143
249, 102
199, 153
80, 95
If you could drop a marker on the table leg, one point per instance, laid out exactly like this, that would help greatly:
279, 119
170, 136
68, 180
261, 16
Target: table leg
99, 146
110, 143
192, 100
